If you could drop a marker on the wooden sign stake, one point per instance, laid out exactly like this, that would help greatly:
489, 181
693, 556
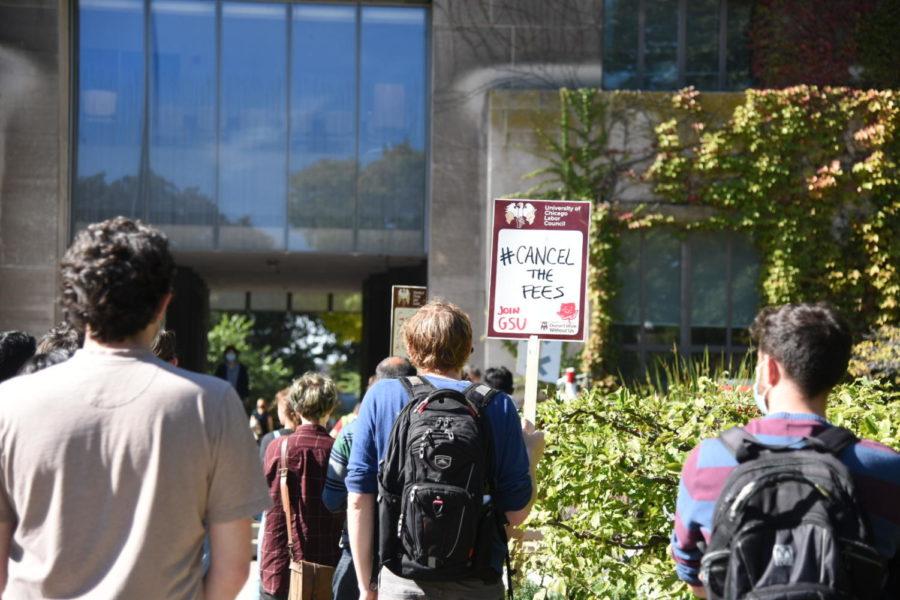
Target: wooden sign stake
532, 366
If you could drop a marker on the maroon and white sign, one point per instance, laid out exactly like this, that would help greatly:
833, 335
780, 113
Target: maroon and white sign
539, 269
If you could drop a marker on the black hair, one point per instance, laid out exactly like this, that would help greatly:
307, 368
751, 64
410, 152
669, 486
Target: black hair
811, 341
41, 361
115, 276
394, 367
63, 337
16, 347
499, 378
164, 345
231, 347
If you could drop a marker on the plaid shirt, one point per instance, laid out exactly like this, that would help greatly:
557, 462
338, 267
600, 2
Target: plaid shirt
317, 531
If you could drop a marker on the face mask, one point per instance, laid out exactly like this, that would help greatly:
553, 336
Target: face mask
231, 357
760, 397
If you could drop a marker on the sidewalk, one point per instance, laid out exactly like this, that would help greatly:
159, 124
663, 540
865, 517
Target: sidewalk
251, 589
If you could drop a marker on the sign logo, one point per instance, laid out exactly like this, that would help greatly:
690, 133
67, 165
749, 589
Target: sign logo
442, 461
783, 555
567, 311
437, 505
520, 213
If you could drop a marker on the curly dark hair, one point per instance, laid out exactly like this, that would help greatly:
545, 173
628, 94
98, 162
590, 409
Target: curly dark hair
811, 341
114, 277
16, 347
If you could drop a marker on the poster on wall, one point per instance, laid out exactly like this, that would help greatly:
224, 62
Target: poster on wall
539, 258
405, 301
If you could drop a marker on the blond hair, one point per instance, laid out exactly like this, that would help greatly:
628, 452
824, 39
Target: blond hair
438, 337
283, 402
313, 396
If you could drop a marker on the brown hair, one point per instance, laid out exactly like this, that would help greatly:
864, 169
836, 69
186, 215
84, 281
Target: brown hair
438, 337
164, 345
313, 396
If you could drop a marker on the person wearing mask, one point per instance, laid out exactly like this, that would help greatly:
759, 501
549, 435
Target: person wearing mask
234, 372
344, 586
439, 340
802, 353
16, 347
136, 459
314, 530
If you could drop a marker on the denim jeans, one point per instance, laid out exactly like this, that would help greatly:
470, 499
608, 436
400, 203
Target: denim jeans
343, 586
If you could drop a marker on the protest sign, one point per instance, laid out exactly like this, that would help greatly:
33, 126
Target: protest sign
405, 301
538, 288
539, 269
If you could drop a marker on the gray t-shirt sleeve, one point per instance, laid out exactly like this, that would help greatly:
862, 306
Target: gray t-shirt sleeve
237, 487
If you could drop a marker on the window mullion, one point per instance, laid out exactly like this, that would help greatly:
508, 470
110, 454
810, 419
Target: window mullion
723, 43
642, 43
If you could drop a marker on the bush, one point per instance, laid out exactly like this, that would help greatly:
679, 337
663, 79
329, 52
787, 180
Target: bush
609, 479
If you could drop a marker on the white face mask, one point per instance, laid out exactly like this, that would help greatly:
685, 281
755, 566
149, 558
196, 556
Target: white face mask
231, 357
760, 397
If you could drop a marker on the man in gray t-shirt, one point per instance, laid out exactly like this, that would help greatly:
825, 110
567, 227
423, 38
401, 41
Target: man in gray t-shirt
135, 460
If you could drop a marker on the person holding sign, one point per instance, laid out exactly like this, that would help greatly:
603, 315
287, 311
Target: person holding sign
439, 341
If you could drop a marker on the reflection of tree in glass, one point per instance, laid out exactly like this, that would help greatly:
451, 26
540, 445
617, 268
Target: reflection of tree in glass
96, 199
322, 194
391, 192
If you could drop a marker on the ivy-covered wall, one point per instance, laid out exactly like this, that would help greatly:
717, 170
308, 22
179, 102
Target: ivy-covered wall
809, 173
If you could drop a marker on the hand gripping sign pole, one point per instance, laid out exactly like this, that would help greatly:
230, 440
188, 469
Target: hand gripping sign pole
538, 277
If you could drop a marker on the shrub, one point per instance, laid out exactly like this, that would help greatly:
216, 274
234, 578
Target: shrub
609, 478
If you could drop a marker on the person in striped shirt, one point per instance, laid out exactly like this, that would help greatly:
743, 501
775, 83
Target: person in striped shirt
803, 351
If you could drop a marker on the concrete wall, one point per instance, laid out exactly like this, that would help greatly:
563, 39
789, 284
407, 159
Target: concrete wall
32, 167
479, 46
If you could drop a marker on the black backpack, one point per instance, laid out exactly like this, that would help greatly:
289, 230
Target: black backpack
787, 525
436, 517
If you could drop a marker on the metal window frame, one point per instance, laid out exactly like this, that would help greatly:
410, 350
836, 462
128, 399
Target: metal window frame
681, 44
643, 349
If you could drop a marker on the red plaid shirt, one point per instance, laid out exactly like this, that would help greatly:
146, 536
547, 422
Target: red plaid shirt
317, 531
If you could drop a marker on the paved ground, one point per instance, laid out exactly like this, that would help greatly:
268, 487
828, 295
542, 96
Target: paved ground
251, 590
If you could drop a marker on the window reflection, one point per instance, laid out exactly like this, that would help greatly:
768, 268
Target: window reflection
661, 40
620, 45
322, 198
247, 125
110, 111
702, 47
392, 129
253, 126
182, 175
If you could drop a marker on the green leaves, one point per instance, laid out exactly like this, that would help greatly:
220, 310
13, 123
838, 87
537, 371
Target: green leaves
609, 479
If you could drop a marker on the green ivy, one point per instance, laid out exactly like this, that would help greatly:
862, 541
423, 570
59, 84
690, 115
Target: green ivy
811, 174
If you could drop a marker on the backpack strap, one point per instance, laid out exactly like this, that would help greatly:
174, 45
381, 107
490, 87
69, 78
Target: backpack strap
742, 445
417, 386
480, 394
835, 439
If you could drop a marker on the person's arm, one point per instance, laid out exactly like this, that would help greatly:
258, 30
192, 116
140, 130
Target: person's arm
6, 532
361, 525
687, 534
534, 446
335, 493
229, 565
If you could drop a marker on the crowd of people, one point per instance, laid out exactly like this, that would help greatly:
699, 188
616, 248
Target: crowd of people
143, 479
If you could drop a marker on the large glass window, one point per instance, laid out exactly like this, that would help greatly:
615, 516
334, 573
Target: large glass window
697, 293
247, 125
667, 44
